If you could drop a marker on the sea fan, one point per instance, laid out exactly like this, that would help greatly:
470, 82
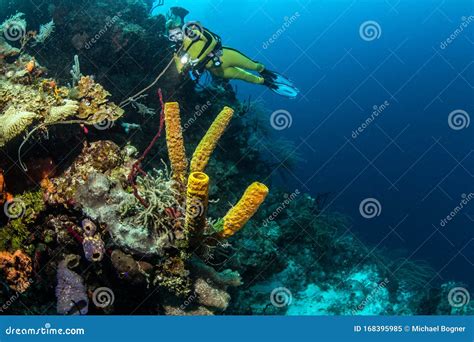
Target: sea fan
45, 32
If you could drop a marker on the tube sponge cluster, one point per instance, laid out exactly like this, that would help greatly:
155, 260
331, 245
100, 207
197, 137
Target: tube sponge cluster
197, 193
197, 198
208, 144
248, 205
175, 142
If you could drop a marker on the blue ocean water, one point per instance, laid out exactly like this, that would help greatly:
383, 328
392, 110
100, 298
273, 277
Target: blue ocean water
383, 117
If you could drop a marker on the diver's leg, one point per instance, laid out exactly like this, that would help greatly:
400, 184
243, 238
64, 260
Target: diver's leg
237, 74
234, 58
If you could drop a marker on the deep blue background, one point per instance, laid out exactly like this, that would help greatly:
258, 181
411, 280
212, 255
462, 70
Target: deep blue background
409, 158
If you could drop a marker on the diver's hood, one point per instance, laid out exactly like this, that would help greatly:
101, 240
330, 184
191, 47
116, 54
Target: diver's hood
179, 12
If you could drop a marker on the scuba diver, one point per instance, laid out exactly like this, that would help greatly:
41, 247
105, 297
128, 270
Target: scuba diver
198, 50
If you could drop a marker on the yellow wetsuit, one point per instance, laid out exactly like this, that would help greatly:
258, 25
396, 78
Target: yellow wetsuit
234, 64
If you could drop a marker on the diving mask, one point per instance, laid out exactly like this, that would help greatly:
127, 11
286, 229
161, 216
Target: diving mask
176, 36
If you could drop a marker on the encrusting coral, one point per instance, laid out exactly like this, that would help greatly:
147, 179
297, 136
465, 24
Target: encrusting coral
17, 268
27, 98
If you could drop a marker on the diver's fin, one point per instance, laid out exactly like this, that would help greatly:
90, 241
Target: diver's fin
279, 84
179, 12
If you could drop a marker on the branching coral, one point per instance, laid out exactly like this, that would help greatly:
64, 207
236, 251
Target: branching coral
27, 98
175, 143
207, 145
45, 32
17, 268
161, 194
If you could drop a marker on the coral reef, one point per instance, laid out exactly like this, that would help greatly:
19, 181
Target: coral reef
17, 268
27, 98
92, 243
158, 240
70, 290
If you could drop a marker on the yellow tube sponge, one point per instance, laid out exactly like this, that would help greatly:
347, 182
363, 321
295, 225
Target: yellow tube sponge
207, 145
174, 141
248, 205
197, 198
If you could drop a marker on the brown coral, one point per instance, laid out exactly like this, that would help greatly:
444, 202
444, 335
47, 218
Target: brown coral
17, 268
